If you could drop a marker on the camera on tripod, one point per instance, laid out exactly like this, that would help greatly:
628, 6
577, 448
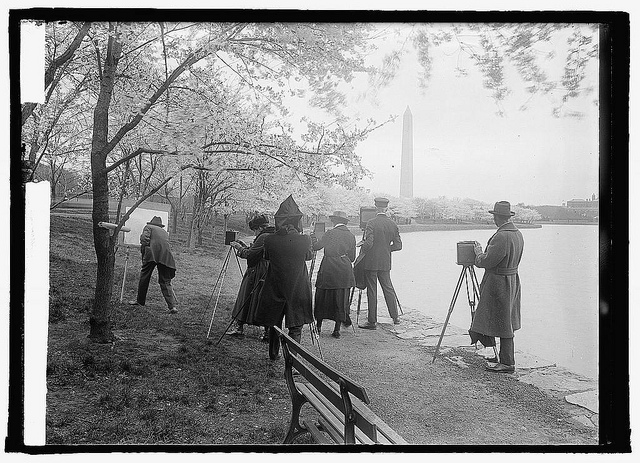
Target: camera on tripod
230, 236
466, 254
366, 214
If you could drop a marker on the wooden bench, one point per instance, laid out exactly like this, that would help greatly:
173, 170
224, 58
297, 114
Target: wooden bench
343, 416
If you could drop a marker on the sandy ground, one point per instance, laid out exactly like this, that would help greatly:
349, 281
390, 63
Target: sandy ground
454, 400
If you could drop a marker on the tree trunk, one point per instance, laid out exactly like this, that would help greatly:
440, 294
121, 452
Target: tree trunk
100, 319
192, 221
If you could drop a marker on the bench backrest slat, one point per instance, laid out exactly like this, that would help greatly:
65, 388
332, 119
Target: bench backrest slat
354, 388
361, 420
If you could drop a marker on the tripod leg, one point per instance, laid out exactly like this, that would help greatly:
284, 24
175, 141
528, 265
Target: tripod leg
453, 303
225, 263
238, 261
124, 277
314, 332
233, 319
223, 272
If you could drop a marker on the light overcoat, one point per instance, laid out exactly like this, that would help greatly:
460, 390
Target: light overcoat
287, 289
498, 312
154, 246
335, 270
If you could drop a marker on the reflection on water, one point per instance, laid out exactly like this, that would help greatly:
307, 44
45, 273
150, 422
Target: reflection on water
559, 276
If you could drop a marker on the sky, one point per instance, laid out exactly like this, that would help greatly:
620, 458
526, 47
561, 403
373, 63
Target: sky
462, 148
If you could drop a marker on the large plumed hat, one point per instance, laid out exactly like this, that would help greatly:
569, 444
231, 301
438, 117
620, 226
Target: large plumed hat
258, 221
288, 213
339, 217
502, 208
156, 221
381, 202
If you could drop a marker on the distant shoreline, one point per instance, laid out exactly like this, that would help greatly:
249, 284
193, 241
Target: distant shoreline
420, 227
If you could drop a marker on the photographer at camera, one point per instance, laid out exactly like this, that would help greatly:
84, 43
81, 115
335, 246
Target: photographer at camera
381, 238
498, 312
156, 251
287, 289
335, 276
247, 301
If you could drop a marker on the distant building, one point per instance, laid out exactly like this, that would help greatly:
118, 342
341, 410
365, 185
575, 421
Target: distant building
584, 206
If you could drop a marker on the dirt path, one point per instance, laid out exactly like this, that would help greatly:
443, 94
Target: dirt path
444, 403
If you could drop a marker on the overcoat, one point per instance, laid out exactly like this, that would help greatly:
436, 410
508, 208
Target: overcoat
287, 289
339, 252
154, 246
498, 312
381, 237
253, 280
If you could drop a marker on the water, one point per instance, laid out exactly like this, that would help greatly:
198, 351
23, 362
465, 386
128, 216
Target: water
559, 276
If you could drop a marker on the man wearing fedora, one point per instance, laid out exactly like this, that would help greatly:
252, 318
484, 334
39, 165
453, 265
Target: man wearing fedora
381, 238
335, 275
498, 312
156, 251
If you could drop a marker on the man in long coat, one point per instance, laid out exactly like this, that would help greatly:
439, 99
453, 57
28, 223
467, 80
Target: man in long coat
287, 289
381, 238
335, 276
156, 251
498, 312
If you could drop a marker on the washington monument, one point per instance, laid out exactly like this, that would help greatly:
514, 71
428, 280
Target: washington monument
406, 162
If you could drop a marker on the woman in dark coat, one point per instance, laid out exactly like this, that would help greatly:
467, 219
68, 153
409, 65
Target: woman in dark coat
253, 279
335, 276
287, 289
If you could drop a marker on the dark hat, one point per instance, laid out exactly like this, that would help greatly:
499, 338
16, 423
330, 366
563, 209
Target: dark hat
502, 208
288, 213
156, 221
258, 221
381, 202
339, 216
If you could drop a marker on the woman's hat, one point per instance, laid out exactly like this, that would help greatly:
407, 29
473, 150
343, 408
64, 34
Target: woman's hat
502, 208
339, 216
258, 221
156, 221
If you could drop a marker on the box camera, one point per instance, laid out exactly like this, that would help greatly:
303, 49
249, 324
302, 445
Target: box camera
466, 255
366, 214
230, 236
319, 229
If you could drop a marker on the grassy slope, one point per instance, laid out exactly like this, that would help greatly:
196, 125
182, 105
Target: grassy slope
163, 381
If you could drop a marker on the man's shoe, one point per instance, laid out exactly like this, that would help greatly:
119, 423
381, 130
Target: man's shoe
396, 321
501, 368
368, 326
135, 303
336, 334
173, 310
